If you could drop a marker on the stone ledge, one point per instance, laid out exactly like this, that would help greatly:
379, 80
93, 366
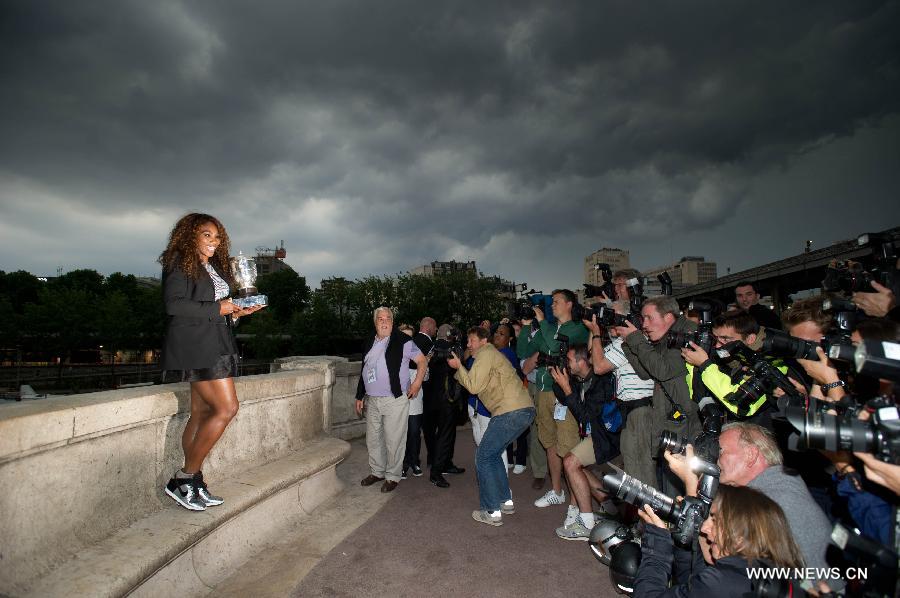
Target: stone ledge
158, 551
39, 424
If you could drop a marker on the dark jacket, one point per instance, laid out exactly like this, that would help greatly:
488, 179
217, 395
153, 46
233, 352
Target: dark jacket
196, 335
393, 357
599, 393
666, 366
728, 577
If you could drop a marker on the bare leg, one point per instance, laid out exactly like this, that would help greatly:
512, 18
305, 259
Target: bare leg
221, 398
578, 483
200, 411
596, 486
554, 466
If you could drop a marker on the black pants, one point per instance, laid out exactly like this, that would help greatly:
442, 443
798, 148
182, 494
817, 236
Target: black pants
413, 441
518, 455
439, 428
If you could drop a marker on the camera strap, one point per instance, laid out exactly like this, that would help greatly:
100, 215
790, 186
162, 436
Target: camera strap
677, 412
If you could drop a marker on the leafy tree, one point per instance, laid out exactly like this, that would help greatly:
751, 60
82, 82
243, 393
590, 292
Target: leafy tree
287, 292
20, 287
63, 321
115, 324
89, 281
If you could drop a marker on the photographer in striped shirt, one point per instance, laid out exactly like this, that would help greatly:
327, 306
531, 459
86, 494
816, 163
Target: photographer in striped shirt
634, 395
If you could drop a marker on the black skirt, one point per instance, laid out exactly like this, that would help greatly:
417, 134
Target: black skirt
225, 367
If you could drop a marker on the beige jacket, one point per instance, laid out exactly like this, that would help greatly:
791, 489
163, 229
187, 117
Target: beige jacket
495, 382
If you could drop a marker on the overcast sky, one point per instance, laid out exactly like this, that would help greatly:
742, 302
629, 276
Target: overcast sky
373, 137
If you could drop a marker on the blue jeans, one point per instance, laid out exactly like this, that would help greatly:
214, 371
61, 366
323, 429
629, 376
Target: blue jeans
493, 483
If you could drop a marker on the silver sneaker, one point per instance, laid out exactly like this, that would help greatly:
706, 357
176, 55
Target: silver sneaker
210, 500
574, 531
485, 517
508, 508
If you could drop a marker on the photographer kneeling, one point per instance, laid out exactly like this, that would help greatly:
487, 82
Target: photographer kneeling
498, 386
745, 529
591, 400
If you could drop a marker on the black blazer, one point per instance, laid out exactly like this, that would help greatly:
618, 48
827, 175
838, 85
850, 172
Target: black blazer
196, 335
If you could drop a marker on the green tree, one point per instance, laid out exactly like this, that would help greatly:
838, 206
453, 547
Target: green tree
20, 287
115, 324
63, 321
265, 334
287, 292
89, 281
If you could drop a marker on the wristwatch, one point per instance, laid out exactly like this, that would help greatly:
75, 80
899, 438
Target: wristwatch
830, 385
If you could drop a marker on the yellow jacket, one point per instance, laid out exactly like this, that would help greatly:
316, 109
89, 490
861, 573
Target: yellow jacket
495, 382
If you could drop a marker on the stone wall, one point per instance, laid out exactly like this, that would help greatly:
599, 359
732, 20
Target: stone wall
343, 419
75, 469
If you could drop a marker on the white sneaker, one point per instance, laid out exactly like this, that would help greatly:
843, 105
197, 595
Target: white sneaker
508, 508
571, 515
551, 498
518, 469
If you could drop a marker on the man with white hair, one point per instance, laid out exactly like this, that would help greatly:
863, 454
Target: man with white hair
749, 456
384, 390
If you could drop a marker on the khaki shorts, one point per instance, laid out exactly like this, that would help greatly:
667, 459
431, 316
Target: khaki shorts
584, 452
561, 434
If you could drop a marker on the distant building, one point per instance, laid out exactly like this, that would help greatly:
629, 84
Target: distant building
271, 260
618, 259
506, 289
438, 268
687, 271
148, 282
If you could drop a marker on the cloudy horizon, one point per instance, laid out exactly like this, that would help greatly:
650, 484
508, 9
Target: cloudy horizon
376, 137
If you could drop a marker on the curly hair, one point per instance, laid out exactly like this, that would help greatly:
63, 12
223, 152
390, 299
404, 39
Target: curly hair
181, 251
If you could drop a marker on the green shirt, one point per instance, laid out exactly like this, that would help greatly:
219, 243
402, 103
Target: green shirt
545, 341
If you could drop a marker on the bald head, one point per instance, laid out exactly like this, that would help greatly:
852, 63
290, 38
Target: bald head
428, 326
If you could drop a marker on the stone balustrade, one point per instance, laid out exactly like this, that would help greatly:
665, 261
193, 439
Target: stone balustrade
82, 510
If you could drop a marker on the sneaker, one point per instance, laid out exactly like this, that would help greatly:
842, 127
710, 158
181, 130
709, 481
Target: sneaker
203, 491
508, 508
519, 469
485, 517
574, 531
571, 515
403, 474
185, 494
551, 498
417, 471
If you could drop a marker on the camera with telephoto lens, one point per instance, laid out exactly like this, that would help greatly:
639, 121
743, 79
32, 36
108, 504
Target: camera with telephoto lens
445, 348
703, 336
523, 308
852, 277
706, 444
608, 318
560, 361
686, 516
777, 343
817, 429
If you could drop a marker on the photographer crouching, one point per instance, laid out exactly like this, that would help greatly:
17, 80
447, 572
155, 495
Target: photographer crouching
498, 386
591, 400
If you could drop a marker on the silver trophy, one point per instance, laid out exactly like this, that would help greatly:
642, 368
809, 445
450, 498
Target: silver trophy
244, 270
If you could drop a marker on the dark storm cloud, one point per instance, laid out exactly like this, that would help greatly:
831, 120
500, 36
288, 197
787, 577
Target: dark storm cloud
428, 129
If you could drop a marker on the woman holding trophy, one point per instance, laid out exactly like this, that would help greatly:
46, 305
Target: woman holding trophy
199, 346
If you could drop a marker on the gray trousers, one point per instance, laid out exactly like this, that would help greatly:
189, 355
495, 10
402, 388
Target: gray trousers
537, 455
386, 424
638, 445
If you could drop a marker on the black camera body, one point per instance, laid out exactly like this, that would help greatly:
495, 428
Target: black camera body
608, 318
560, 361
445, 348
706, 444
703, 336
763, 376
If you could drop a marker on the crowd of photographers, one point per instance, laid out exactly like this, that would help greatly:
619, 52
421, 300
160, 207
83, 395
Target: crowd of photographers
698, 449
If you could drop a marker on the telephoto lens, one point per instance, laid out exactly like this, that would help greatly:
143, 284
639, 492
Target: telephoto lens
637, 493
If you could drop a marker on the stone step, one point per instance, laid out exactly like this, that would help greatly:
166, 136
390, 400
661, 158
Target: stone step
176, 551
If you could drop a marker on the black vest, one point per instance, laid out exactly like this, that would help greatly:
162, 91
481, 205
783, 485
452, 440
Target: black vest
393, 357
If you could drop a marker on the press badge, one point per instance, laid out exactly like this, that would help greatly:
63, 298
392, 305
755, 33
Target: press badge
559, 412
370, 377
